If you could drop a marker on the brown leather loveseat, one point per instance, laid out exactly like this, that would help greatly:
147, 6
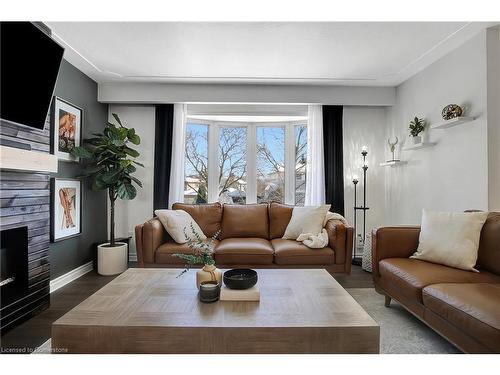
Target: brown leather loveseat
462, 306
250, 236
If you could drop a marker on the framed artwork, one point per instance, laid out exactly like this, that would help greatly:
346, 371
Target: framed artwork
67, 122
66, 208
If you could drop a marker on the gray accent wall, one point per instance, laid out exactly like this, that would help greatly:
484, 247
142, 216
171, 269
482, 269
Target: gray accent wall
66, 255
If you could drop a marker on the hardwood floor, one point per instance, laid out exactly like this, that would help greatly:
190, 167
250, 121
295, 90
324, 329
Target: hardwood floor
358, 278
35, 331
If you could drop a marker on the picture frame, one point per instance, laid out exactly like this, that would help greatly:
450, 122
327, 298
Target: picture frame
66, 124
66, 208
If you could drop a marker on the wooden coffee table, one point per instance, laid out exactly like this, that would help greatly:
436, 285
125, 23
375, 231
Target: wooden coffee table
153, 311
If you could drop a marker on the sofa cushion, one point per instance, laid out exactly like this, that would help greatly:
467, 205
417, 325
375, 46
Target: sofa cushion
249, 220
293, 252
244, 251
473, 308
489, 249
208, 216
410, 276
164, 253
279, 217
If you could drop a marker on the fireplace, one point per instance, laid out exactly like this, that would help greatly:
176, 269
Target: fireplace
14, 265
24, 256
24, 222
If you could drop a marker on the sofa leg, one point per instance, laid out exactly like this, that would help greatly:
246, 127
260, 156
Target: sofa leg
387, 301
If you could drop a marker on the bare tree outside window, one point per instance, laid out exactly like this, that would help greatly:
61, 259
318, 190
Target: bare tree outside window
300, 164
196, 168
270, 164
232, 164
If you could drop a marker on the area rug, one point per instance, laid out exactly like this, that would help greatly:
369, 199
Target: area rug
400, 332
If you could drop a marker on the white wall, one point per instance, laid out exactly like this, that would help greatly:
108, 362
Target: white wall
493, 74
130, 213
365, 126
453, 175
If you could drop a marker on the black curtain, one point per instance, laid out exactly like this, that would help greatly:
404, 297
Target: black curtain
164, 127
334, 161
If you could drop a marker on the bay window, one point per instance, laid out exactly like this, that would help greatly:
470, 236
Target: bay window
238, 163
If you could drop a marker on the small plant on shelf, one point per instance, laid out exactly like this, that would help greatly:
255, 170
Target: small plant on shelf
417, 126
203, 251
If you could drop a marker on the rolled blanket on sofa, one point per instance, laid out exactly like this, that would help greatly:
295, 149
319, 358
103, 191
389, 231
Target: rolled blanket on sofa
320, 240
334, 216
314, 241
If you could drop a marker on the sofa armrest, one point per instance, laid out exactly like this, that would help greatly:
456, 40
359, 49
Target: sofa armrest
148, 237
393, 242
340, 240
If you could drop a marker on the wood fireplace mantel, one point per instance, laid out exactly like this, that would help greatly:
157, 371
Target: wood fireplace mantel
24, 160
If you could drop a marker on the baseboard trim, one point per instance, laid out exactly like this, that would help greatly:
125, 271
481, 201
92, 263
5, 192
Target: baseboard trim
70, 276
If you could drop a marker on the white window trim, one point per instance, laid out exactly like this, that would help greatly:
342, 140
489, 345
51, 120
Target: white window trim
251, 152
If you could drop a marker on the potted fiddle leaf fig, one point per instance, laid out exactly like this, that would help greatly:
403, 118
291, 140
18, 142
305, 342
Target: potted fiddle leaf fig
417, 126
109, 159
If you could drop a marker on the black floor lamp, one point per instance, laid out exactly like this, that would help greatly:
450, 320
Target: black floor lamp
357, 259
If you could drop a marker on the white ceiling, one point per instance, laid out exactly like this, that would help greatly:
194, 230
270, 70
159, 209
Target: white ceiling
332, 53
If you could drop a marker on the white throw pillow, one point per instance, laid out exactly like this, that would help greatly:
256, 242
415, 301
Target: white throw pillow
175, 221
307, 219
450, 238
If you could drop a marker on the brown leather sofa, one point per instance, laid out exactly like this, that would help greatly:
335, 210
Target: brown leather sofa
250, 236
462, 306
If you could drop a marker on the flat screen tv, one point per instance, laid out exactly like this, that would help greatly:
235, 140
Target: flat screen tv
29, 65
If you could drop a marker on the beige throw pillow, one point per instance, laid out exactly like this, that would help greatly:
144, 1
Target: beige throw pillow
175, 221
450, 238
307, 219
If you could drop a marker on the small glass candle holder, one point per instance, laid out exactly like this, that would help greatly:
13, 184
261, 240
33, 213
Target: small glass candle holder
209, 291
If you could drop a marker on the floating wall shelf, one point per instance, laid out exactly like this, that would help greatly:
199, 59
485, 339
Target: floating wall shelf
418, 146
393, 163
452, 122
24, 160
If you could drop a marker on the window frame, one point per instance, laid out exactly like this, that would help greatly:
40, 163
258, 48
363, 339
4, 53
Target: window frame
251, 155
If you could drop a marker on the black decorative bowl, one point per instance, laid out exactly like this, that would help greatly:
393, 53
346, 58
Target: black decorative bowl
240, 278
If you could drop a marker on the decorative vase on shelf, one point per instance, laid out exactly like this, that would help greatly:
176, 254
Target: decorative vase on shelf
451, 111
416, 139
208, 273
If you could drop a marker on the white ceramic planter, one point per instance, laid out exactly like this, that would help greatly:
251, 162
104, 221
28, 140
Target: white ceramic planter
416, 140
112, 260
